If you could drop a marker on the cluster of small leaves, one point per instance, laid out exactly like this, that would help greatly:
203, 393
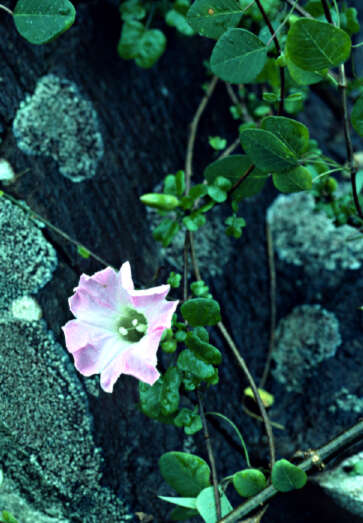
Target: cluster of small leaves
140, 42
196, 363
190, 476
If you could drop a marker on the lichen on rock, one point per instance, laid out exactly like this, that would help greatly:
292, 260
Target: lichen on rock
27, 260
58, 122
45, 411
306, 237
305, 338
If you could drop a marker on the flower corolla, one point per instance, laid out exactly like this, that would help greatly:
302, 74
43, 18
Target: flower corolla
117, 329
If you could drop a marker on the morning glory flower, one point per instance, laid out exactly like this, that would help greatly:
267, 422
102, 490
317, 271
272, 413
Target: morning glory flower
117, 329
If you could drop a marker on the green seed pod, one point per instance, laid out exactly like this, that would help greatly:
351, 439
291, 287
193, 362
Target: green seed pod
165, 202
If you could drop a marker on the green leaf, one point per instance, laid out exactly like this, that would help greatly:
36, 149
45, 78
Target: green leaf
178, 20
164, 202
300, 76
314, 45
206, 505
7, 517
249, 482
166, 231
357, 469
180, 514
150, 398
200, 290
217, 143
233, 168
189, 362
286, 476
201, 311
235, 225
132, 10
186, 473
205, 350
181, 502
267, 151
238, 56
144, 45
298, 179
294, 134
174, 184
82, 251
40, 21
357, 115
174, 280
170, 393
211, 18
194, 221
188, 419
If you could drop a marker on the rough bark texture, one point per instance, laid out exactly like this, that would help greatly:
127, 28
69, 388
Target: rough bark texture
143, 119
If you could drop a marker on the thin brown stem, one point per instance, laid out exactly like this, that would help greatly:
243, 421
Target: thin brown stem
325, 452
278, 49
299, 9
346, 123
230, 149
212, 462
272, 274
186, 267
4, 8
241, 180
193, 133
193, 256
241, 362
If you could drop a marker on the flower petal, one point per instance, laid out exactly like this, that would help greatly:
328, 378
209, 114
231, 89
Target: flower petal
106, 286
78, 334
91, 309
93, 359
152, 303
139, 360
125, 276
160, 316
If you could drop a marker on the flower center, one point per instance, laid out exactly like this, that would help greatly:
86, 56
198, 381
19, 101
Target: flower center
132, 325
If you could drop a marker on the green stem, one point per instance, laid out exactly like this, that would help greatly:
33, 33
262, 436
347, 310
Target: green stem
240, 437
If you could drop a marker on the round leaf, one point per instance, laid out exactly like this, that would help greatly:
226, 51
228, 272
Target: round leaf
238, 56
189, 362
212, 18
201, 311
314, 45
186, 473
296, 180
249, 482
40, 21
267, 151
293, 133
286, 476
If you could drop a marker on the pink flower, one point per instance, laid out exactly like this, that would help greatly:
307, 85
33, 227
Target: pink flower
117, 329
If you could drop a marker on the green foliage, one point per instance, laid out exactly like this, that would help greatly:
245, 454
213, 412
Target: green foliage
187, 474
143, 45
174, 184
82, 251
217, 143
165, 231
211, 18
234, 226
267, 151
357, 115
249, 482
180, 514
132, 10
219, 188
202, 348
298, 179
314, 45
238, 56
295, 135
233, 168
189, 419
286, 476
164, 202
206, 505
197, 367
201, 312
174, 280
7, 517
40, 21
161, 400
194, 221
176, 17
200, 289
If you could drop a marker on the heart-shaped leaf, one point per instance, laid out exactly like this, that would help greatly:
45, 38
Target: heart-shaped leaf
249, 482
211, 18
188, 474
286, 476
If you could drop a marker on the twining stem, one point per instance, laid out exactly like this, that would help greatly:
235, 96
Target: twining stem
278, 49
271, 266
54, 228
242, 179
298, 8
210, 455
346, 123
320, 455
193, 132
241, 362
6, 9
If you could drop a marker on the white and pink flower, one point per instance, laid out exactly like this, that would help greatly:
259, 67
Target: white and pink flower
117, 329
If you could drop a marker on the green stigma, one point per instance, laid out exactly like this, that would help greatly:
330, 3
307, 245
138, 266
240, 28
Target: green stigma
132, 325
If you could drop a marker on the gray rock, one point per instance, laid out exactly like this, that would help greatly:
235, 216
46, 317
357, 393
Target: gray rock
27, 260
304, 339
47, 444
345, 485
308, 238
56, 121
